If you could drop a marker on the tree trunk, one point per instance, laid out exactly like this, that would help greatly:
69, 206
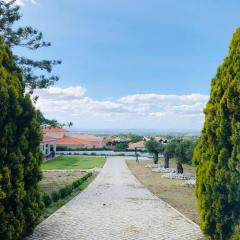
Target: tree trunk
155, 159
179, 168
166, 162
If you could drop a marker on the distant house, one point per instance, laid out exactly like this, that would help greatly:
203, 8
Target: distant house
138, 145
71, 142
64, 138
55, 132
91, 140
48, 146
78, 142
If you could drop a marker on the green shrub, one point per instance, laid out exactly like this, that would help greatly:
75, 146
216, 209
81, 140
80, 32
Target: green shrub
217, 155
75, 184
47, 200
55, 196
64, 192
236, 233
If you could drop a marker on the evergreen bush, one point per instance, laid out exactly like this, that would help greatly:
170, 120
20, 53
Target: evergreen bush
47, 200
217, 155
20, 156
55, 196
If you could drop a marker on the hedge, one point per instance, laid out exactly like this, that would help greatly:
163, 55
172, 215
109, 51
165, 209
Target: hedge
65, 191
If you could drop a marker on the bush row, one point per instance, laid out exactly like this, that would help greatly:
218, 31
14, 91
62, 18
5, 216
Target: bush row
63, 148
65, 191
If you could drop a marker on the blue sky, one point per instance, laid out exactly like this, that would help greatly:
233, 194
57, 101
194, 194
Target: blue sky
117, 54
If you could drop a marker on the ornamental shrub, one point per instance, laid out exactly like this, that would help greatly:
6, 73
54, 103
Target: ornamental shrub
217, 155
55, 196
66, 191
47, 200
20, 156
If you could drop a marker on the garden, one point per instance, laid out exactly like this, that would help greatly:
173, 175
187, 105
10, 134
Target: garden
65, 177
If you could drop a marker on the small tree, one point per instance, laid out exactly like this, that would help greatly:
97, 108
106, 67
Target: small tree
154, 147
184, 154
169, 151
180, 156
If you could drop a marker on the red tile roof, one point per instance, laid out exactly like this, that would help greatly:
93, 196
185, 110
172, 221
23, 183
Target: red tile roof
48, 139
140, 144
71, 141
54, 130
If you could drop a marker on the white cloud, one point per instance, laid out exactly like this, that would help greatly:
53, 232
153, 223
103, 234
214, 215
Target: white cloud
138, 110
73, 98
55, 93
153, 98
180, 111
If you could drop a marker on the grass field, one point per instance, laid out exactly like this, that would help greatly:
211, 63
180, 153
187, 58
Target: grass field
169, 190
74, 162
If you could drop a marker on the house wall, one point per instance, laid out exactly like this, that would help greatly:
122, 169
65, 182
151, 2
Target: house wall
46, 148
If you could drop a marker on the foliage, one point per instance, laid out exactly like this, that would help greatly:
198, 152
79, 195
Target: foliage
55, 196
77, 186
121, 146
20, 156
236, 233
217, 155
29, 38
47, 200
35, 73
169, 152
65, 148
154, 147
51, 122
65, 191
184, 153
136, 138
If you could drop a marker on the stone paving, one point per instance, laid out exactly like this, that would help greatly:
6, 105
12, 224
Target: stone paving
116, 207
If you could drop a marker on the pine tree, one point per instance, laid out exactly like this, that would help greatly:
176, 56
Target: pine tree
217, 155
20, 155
29, 38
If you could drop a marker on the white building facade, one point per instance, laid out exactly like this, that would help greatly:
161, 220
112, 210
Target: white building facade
48, 147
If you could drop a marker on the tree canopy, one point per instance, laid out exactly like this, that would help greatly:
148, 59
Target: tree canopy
154, 147
217, 155
169, 152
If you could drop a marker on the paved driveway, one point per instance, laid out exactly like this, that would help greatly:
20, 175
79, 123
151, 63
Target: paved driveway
116, 206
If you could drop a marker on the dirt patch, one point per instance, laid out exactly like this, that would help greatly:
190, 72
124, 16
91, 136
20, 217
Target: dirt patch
54, 180
169, 190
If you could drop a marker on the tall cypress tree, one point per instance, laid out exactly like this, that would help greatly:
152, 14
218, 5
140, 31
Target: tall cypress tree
217, 155
20, 155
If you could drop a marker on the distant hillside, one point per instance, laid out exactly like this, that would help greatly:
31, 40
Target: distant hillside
149, 132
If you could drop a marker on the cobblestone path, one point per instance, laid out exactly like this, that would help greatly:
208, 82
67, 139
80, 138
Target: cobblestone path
116, 206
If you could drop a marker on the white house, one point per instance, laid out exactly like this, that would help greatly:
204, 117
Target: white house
48, 146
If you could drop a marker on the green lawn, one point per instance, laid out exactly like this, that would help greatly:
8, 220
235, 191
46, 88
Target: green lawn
74, 162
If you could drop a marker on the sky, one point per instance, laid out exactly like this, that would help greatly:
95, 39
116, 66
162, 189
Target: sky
131, 64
